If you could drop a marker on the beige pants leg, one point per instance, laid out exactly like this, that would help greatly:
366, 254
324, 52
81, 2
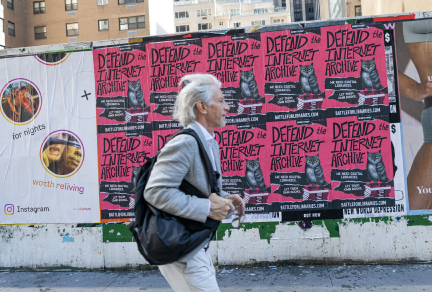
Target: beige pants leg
195, 275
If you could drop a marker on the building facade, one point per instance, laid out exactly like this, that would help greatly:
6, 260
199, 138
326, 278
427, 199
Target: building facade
34, 23
197, 15
377, 7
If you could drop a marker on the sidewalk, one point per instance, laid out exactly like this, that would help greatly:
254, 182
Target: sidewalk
411, 278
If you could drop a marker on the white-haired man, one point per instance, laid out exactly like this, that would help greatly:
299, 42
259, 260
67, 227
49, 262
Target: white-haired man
200, 106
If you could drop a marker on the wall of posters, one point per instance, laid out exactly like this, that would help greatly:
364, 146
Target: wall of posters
308, 126
313, 125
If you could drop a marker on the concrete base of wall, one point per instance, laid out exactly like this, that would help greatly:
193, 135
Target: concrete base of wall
369, 240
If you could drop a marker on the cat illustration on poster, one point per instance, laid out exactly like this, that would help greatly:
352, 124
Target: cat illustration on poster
134, 176
373, 93
138, 111
252, 102
377, 173
135, 95
315, 175
312, 95
248, 85
370, 76
256, 193
308, 80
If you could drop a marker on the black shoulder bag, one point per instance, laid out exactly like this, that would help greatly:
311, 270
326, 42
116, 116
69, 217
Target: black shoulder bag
163, 238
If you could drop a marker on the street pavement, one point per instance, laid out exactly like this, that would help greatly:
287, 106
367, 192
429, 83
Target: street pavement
406, 278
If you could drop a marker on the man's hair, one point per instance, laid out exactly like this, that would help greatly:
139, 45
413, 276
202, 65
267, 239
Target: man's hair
195, 87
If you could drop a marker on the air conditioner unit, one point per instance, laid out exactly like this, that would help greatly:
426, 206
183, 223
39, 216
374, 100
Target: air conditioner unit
102, 2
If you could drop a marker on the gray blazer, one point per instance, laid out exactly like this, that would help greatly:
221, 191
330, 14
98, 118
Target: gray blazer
180, 159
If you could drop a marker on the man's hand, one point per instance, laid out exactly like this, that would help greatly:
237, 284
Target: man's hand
236, 203
219, 207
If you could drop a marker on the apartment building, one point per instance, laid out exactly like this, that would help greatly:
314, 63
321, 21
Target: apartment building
43, 22
198, 15
353, 8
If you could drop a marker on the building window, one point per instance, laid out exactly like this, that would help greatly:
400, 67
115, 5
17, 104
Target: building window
203, 12
10, 4
310, 12
260, 10
72, 29
358, 11
133, 22
183, 14
39, 7
258, 22
40, 32
236, 24
102, 2
1, 24
298, 10
11, 28
278, 20
103, 24
220, 22
71, 5
182, 28
235, 12
120, 2
204, 26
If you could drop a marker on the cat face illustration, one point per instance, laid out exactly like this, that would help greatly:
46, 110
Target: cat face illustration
135, 170
247, 75
368, 65
312, 161
134, 85
374, 157
306, 70
252, 165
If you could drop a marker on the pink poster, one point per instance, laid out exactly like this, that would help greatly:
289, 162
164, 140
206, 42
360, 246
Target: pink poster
361, 161
355, 65
243, 162
168, 63
294, 76
300, 167
236, 61
124, 126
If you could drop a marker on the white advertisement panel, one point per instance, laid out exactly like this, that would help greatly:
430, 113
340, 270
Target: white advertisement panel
48, 148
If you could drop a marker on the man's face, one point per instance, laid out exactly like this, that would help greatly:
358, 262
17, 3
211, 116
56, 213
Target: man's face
217, 110
73, 157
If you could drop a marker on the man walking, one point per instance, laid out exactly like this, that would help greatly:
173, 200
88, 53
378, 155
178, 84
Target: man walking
200, 106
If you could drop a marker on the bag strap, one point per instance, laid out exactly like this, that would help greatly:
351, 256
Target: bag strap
211, 173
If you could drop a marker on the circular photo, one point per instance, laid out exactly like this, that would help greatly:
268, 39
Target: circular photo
20, 101
62, 153
52, 58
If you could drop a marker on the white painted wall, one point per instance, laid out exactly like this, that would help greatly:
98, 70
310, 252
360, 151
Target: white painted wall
370, 241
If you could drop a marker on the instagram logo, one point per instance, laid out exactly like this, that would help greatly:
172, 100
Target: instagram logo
9, 209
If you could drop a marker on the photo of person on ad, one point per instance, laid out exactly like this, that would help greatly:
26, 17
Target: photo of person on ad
20, 101
62, 153
414, 59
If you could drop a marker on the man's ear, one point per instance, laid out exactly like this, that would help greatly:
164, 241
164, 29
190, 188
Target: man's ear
201, 107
